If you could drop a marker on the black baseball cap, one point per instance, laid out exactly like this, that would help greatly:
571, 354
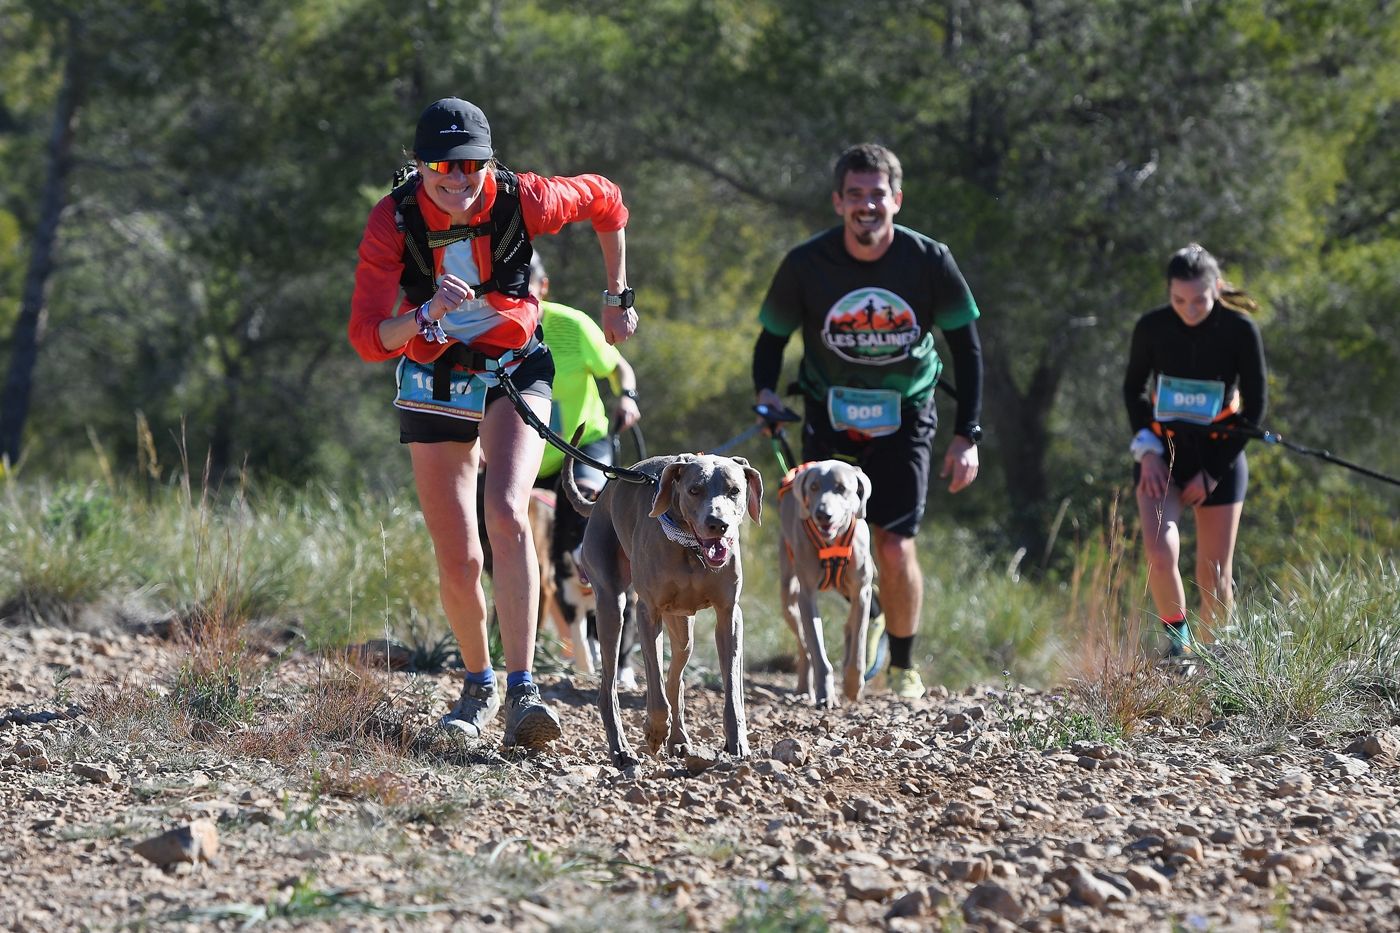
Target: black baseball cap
452, 128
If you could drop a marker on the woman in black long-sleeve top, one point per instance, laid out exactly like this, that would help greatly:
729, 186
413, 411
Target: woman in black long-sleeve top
1196, 370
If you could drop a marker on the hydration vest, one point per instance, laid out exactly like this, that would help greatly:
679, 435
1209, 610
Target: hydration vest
510, 260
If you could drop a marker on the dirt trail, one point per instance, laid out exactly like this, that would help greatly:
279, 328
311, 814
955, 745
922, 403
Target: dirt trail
935, 815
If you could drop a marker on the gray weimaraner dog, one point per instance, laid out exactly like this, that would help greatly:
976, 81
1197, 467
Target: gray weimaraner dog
677, 544
826, 545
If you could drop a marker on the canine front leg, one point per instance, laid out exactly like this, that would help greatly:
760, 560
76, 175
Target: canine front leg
823, 681
609, 616
729, 640
857, 625
681, 631
658, 713
791, 591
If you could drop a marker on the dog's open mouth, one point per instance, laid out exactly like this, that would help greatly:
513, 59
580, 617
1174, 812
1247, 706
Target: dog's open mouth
716, 551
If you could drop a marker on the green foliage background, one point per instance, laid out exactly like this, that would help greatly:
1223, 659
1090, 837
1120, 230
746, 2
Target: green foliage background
228, 153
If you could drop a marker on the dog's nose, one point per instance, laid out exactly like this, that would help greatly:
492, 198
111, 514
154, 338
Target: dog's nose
716, 526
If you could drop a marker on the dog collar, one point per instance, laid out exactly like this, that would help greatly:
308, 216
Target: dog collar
685, 539
676, 533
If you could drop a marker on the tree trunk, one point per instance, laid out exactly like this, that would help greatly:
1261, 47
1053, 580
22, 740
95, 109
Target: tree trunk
1023, 433
28, 333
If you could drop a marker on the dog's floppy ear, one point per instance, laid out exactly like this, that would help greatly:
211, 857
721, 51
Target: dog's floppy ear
863, 482
755, 484
799, 487
665, 487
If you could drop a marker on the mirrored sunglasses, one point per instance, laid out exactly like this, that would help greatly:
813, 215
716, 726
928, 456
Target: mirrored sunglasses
469, 166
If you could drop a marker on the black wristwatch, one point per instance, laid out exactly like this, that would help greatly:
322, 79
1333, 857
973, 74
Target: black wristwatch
623, 300
629, 393
972, 432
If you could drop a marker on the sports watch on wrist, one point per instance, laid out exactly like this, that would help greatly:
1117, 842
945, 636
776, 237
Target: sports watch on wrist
972, 432
623, 300
629, 393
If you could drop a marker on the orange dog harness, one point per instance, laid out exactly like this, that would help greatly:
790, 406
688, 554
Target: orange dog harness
834, 554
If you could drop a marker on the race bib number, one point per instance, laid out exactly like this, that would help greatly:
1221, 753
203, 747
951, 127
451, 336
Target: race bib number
872, 412
1198, 401
466, 397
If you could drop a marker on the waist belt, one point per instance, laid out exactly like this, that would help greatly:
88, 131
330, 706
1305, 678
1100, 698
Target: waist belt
458, 356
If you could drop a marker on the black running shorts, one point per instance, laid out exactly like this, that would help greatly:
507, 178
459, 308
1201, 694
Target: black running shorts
1234, 482
898, 464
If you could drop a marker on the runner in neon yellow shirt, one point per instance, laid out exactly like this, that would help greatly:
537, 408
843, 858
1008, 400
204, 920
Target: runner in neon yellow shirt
582, 356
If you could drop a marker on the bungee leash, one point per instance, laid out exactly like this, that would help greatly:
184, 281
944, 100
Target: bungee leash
1273, 437
544, 431
1246, 429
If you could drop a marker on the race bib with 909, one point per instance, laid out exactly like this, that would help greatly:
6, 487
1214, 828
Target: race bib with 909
466, 398
872, 412
1198, 401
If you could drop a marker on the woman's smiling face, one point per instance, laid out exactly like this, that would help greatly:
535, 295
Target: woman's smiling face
1192, 299
454, 191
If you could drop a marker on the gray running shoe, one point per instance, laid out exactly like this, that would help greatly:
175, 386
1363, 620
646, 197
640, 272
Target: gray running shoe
529, 722
477, 707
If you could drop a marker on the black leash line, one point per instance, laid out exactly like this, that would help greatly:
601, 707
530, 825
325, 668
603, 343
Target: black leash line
1275, 439
1272, 437
543, 430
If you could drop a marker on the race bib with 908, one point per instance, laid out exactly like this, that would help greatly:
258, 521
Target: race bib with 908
872, 412
466, 398
1198, 401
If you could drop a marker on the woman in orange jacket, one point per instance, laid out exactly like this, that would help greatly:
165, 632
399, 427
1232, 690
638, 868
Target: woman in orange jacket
442, 286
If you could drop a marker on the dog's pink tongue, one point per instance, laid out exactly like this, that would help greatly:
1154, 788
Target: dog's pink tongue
716, 551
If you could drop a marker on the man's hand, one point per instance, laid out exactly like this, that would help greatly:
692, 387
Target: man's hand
626, 413
960, 462
619, 323
773, 402
1153, 477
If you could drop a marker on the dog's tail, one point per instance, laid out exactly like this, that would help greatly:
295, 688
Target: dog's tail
581, 503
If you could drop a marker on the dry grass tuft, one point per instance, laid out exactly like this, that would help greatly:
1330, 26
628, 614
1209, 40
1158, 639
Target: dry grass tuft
1108, 656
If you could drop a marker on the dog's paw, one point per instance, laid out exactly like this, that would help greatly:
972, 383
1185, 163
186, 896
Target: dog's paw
828, 701
624, 760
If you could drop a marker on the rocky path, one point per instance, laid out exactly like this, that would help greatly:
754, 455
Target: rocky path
941, 815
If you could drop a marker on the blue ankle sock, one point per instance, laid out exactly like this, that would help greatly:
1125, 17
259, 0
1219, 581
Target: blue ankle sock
516, 678
1178, 632
481, 677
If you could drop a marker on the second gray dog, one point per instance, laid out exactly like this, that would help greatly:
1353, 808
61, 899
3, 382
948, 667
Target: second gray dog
826, 545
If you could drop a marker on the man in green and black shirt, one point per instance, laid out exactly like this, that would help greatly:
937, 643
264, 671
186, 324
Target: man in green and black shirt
866, 295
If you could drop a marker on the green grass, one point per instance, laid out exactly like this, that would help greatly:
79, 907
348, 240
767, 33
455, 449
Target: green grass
1314, 637
979, 617
773, 908
1320, 645
336, 569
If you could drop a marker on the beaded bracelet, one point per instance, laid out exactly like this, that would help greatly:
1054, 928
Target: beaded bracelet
430, 329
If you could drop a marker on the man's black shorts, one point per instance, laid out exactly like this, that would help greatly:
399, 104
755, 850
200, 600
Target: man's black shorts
533, 376
897, 464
